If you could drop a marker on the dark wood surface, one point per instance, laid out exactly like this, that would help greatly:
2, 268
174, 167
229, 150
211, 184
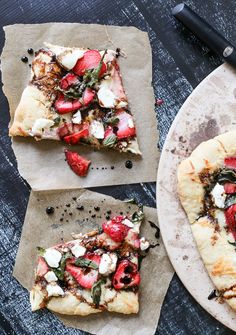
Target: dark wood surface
180, 62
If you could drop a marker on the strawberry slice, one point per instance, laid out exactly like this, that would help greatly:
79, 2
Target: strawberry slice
125, 126
116, 229
68, 80
64, 106
77, 163
75, 138
88, 96
230, 188
65, 129
93, 257
230, 162
90, 60
126, 275
42, 267
86, 277
230, 219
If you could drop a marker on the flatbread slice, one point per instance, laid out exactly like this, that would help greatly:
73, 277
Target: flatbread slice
207, 191
76, 95
95, 272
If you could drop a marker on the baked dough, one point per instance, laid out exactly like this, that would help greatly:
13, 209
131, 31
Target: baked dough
218, 255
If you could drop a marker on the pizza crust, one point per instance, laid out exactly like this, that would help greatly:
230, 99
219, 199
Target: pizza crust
125, 302
217, 254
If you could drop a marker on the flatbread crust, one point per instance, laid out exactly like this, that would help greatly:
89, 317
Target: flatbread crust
217, 254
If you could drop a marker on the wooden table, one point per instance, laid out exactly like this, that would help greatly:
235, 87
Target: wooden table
180, 62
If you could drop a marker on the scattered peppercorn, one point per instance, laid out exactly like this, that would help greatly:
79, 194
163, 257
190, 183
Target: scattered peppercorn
24, 59
97, 208
50, 210
30, 51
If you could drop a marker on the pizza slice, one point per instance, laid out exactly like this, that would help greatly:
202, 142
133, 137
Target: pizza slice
76, 95
207, 190
95, 272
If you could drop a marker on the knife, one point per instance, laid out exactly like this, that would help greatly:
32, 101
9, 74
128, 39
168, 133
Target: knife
205, 32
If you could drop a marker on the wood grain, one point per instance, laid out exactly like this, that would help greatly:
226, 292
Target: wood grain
180, 62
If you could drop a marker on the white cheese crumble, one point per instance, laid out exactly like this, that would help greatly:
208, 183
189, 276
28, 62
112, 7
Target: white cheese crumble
97, 129
106, 97
78, 250
219, 195
128, 223
130, 123
40, 125
77, 117
122, 104
54, 290
107, 264
50, 276
68, 59
52, 257
144, 244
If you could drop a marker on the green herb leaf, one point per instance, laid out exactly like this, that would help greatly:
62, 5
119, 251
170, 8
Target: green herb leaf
56, 121
231, 200
227, 175
110, 141
138, 216
91, 77
113, 121
232, 243
83, 262
41, 251
59, 272
96, 292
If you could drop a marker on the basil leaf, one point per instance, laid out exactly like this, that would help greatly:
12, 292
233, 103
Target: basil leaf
96, 292
83, 262
232, 243
227, 175
59, 272
110, 141
230, 201
113, 121
91, 76
56, 121
137, 216
41, 251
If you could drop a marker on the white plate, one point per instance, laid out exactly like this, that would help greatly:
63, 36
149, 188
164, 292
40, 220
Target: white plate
208, 111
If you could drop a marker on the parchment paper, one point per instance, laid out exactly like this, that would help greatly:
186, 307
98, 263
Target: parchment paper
42, 163
45, 230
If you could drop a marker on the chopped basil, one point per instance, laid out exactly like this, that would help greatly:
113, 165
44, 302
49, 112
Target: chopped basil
59, 272
41, 251
113, 121
232, 243
230, 201
97, 291
110, 141
83, 262
57, 120
91, 77
227, 175
137, 216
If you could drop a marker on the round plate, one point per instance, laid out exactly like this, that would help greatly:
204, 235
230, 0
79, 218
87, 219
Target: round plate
210, 110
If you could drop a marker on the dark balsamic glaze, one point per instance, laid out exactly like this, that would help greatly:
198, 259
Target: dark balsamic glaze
212, 295
80, 208
24, 59
121, 213
97, 208
128, 164
153, 225
93, 216
67, 205
107, 217
109, 212
112, 167
61, 219
140, 259
117, 52
151, 246
65, 210
70, 214
74, 198
50, 210
30, 51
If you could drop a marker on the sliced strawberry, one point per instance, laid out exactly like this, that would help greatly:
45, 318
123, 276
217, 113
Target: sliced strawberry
108, 132
116, 229
133, 239
86, 277
230, 188
64, 106
90, 60
77, 163
65, 129
230, 162
68, 80
124, 129
42, 267
230, 219
75, 138
93, 257
126, 275
88, 96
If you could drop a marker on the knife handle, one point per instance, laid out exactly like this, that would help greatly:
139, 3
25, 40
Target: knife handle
211, 37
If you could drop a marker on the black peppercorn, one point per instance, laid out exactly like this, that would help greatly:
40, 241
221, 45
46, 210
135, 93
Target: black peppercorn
50, 210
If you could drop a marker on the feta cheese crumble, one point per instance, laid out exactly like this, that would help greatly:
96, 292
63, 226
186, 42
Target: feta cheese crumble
144, 244
97, 129
107, 264
68, 59
218, 195
54, 290
52, 257
40, 125
78, 250
106, 97
128, 223
77, 117
130, 123
50, 276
